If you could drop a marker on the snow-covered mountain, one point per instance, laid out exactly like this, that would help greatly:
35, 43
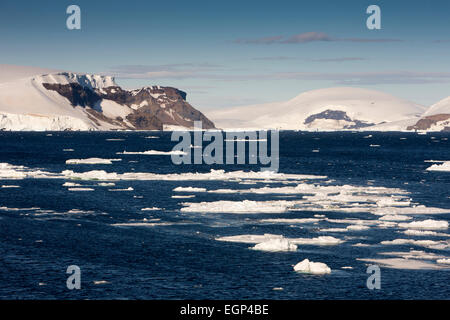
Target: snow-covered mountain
71, 101
325, 109
436, 118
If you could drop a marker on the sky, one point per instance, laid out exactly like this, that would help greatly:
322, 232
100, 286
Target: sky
230, 53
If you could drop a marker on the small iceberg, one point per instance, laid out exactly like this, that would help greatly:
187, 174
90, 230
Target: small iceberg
310, 267
276, 245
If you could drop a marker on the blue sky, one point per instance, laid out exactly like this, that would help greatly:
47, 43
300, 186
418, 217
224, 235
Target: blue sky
226, 53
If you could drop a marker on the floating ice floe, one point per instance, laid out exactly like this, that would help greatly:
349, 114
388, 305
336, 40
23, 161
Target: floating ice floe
413, 210
425, 225
275, 245
151, 209
127, 189
440, 167
78, 211
319, 241
19, 209
291, 221
106, 184
251, 238
395, 217
431, 244
71, 184
155, 153
213, 175
334, 230
8, 171
310, 267
91, 161
411, 232
356, 227
243, 207
402, 263
189, 189
443, 261
412, 260
81, 189
413, 254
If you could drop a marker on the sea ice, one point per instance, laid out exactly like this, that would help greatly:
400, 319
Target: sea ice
425, 224
395, 217
243, 207
80, 189
91, 161
440, 167
438, 245
310, 267
443, 261
189, 189
274, 245
155, 153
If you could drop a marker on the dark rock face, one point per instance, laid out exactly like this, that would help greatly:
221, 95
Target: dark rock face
75, 93
143, 120
338, 115
428, 122
150, 107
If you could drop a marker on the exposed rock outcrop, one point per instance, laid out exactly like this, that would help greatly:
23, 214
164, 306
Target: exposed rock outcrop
428, 122
337, 115
147, 108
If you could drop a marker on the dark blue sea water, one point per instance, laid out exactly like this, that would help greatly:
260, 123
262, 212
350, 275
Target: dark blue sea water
180, 258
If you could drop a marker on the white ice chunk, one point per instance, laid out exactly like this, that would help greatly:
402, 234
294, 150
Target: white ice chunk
91, 161
189, 189
425, 224
307, 266
440, 167
274, 245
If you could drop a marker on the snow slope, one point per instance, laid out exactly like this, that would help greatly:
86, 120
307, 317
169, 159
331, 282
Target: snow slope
26, 105
323, 109
436, 118
441, 107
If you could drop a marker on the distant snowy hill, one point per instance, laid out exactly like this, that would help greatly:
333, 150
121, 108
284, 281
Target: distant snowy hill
32, 101
323, 110
436, 118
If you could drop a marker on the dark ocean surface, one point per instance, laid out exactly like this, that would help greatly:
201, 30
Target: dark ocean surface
45, 227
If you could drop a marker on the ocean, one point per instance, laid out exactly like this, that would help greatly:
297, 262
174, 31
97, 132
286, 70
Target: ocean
349, 200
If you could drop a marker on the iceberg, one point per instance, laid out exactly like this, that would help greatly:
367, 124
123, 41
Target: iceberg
310, 267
